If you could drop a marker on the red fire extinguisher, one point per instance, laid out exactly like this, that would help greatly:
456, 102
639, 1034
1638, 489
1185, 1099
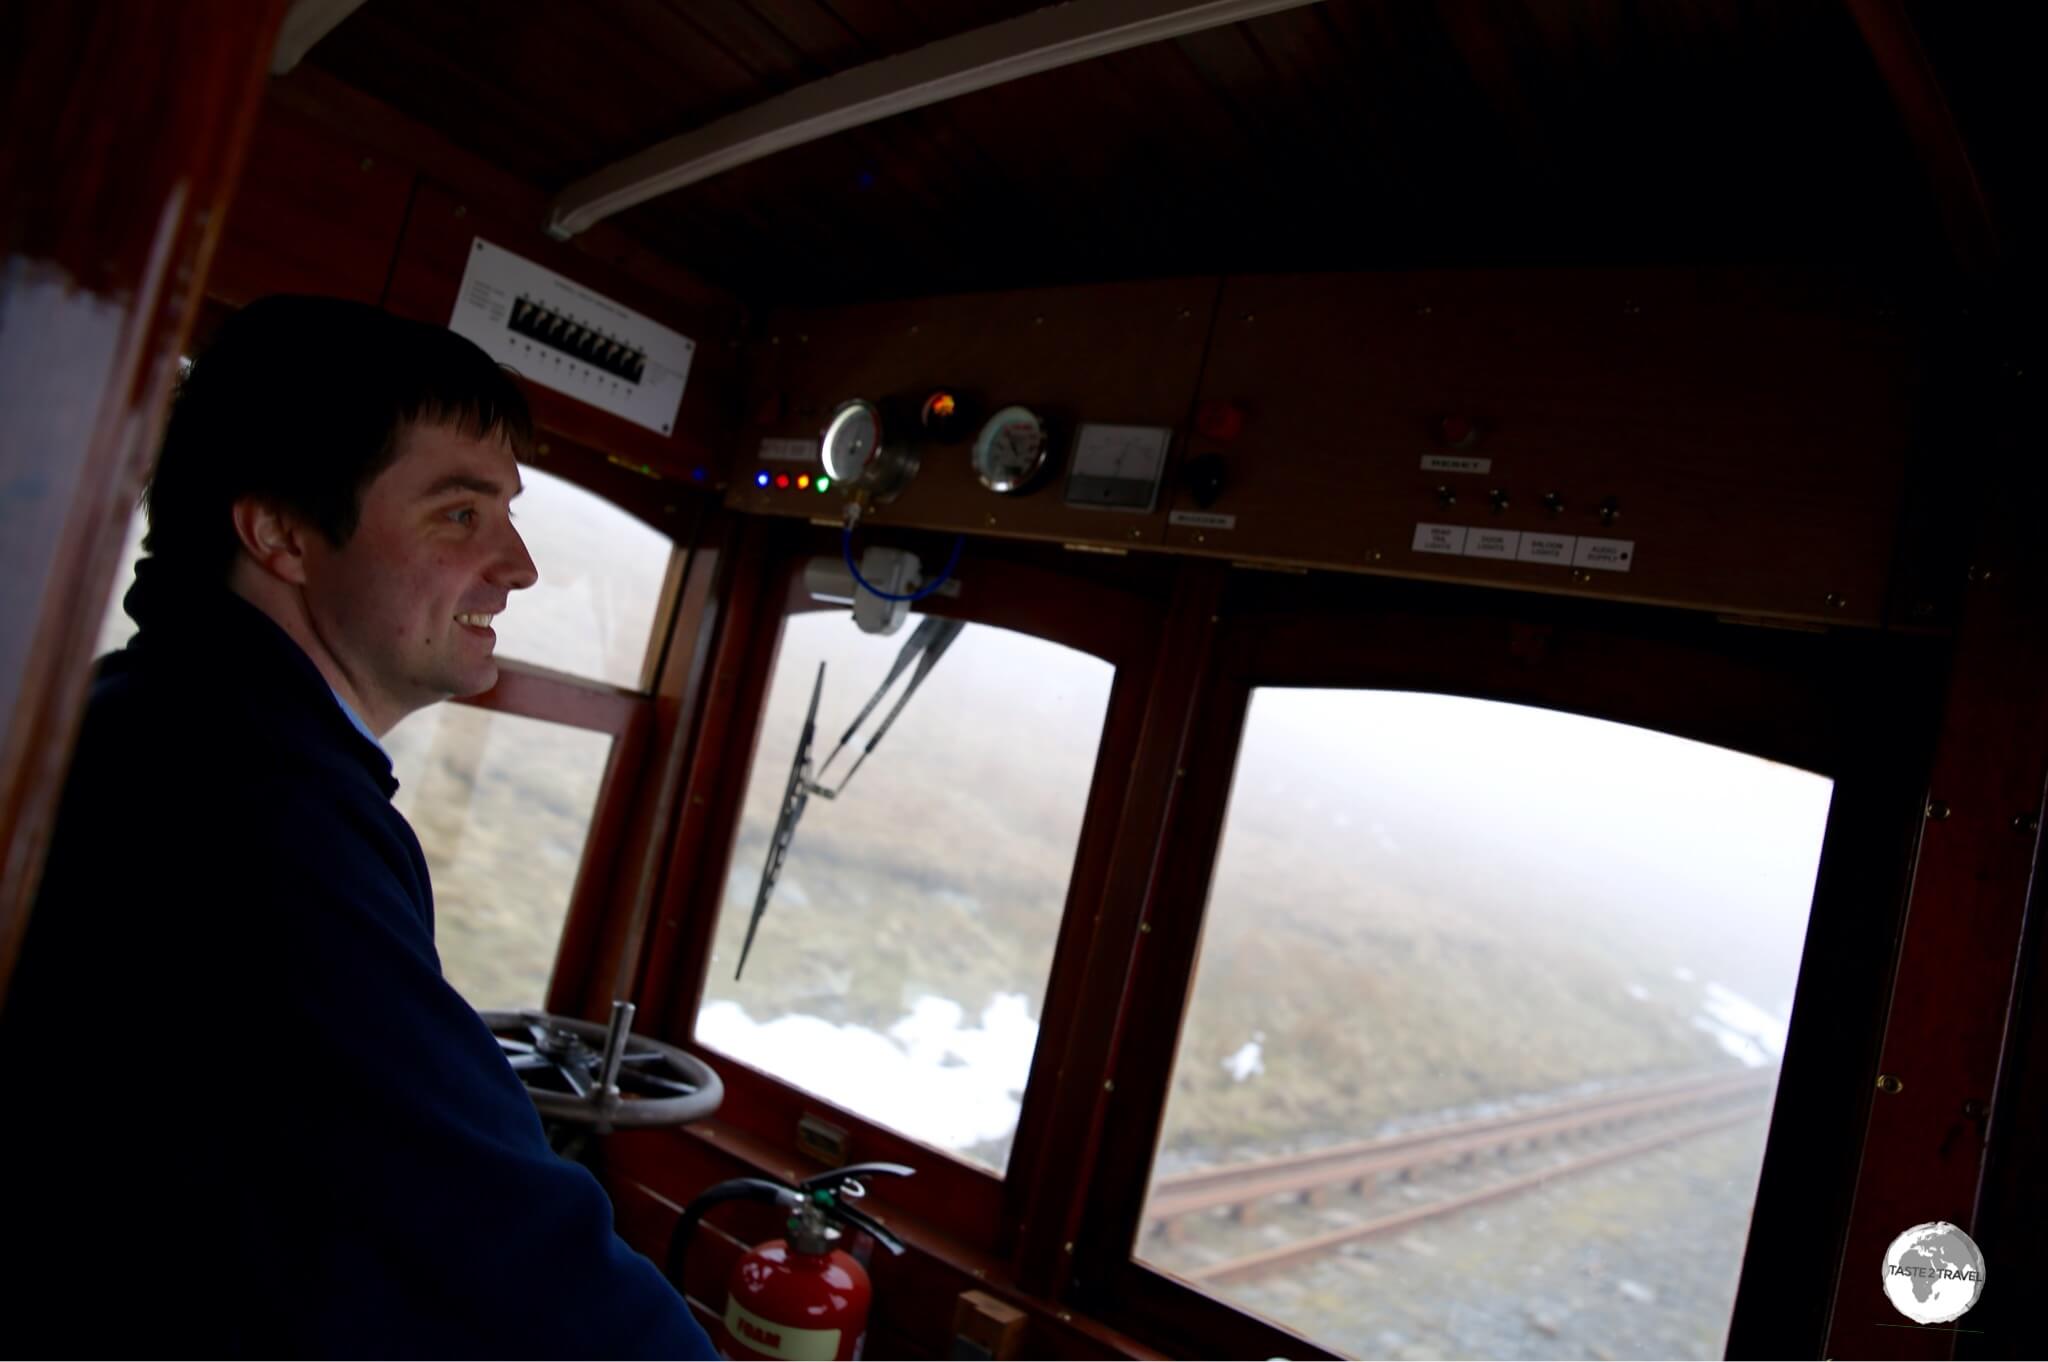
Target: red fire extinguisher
799, 1297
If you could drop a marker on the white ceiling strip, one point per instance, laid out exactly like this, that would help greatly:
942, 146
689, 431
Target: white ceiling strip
1043, 40
306, 23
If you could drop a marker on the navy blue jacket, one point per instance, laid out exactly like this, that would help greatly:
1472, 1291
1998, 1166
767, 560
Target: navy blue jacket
247, 1114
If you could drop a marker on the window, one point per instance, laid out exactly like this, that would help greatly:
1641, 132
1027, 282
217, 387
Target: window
115, 626
601, 574
1483, 1036
900, 969
502, 806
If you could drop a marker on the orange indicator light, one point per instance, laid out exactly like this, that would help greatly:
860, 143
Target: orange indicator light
803, 480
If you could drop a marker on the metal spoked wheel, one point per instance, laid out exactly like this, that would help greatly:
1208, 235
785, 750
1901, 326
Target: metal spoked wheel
580, 1073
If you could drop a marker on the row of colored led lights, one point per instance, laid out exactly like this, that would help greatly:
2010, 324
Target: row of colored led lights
802, 481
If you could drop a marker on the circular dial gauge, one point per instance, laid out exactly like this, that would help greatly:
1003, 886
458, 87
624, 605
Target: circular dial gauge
852, 440
1011, 449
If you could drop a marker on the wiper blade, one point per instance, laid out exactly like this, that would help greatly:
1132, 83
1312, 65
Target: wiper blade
795, 795
926, 645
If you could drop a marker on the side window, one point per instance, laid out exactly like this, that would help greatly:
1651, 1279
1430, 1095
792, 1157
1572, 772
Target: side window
901, 965
1490, 998
115, 626
502, 805
601, 574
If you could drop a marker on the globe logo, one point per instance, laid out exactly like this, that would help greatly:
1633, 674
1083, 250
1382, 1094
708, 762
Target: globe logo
1933, 1273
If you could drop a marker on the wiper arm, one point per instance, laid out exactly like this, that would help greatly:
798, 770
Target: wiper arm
928, 644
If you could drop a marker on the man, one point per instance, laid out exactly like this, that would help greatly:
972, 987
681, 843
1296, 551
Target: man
247, 1114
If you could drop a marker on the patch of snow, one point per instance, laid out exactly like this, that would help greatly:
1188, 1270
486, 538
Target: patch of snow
1639, 993
930, 1077
1246, 1062
1743, 1029
1683, 975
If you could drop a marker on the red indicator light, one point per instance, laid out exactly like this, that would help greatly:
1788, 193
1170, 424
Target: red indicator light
782, 479
1220, 420
1457, 431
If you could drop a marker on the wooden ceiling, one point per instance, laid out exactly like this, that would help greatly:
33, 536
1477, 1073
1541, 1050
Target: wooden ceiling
1353, 134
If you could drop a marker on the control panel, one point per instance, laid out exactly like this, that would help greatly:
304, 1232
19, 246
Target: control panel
1720, 439
1052, 414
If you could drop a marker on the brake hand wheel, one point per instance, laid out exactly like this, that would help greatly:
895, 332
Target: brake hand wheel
580, 1073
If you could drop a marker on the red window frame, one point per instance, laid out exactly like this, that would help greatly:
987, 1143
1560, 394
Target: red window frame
1019, 587
1852, 706
534, 692
579, 984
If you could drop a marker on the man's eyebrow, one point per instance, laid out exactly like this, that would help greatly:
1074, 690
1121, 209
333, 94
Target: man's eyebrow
465, 482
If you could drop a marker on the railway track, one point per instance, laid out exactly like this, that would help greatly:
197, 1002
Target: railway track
1356, 1167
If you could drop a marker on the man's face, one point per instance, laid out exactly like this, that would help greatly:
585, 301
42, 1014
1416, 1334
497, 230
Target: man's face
404, 608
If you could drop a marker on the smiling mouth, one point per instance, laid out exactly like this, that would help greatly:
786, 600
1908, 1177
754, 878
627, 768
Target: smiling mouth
476, 619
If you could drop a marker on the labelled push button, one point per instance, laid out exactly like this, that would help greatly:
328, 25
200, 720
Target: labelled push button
1440, 539
1605, 555
1492, 543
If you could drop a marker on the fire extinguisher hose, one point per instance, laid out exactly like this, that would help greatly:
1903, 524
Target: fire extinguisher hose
739, 1189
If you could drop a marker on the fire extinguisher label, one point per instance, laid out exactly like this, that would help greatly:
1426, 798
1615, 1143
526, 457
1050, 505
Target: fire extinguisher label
764, 1338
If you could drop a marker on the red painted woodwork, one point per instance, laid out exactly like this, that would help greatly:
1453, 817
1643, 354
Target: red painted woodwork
525, 688
605, 961
1964, 970
1750, 429
126, 133
315, 213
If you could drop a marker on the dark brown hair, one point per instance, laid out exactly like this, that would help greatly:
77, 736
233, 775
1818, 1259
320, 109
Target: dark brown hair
304, 400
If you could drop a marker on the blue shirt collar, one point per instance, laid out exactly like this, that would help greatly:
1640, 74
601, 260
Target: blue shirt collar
356, 719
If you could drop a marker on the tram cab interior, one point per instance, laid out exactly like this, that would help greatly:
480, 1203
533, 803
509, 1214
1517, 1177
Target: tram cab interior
1370, 674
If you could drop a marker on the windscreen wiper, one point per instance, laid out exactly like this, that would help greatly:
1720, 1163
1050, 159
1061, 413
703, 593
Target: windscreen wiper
926, 645
795, 795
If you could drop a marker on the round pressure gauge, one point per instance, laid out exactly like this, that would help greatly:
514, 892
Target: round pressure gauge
853, 440
855, 457
1011, 450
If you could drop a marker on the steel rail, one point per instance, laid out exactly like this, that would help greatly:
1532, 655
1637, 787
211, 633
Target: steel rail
1362, 1162
1272, 1260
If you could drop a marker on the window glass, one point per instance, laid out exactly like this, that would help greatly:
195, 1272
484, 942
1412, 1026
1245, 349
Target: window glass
1485, 1029
601, 573
115, 626
502, 805
900, 968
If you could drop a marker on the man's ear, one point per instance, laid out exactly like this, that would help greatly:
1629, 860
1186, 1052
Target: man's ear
273, 537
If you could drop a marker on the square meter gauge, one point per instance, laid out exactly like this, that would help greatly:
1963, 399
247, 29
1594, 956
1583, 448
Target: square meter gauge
1117, 468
